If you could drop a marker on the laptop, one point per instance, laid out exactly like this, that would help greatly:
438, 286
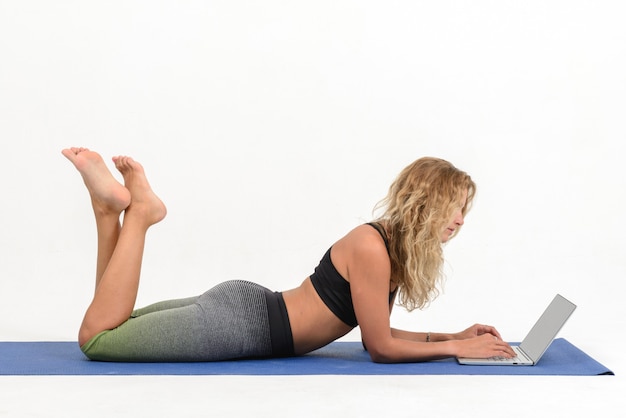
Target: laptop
538, 339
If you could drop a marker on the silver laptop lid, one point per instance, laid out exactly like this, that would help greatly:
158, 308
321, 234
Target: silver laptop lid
547, 327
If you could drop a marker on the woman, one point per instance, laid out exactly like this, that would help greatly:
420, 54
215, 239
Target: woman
356, 282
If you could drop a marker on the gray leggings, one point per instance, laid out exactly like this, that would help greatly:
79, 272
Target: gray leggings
235, 319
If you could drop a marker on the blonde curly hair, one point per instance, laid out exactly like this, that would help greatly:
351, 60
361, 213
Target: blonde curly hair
415, 212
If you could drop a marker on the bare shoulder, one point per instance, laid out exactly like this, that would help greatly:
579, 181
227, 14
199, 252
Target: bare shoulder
361, 249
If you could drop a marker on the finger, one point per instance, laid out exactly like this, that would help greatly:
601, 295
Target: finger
493, 331
506, 348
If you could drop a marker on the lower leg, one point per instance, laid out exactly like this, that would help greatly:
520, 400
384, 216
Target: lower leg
108, 199
117, 289
109, 228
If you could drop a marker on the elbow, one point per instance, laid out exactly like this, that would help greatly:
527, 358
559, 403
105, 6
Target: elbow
380, 354
381, 358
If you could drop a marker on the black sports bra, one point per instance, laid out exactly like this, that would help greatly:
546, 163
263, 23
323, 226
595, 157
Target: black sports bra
334, 290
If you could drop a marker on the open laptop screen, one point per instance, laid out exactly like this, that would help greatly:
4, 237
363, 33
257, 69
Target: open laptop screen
547, 327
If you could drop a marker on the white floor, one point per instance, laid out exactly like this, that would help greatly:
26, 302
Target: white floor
313, 396
304, 396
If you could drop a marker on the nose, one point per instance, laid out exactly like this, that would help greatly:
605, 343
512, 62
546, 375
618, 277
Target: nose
458, 219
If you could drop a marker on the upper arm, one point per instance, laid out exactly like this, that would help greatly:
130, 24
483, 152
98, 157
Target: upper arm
368, 270
361, 257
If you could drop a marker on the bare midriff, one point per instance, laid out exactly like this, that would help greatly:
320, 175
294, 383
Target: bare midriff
313, 325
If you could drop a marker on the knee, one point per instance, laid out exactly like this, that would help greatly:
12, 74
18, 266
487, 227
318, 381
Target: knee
84, 335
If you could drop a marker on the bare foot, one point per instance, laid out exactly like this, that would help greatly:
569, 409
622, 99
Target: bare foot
107, 194
144, 202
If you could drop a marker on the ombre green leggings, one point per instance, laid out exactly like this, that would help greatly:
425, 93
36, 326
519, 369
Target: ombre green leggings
235, 319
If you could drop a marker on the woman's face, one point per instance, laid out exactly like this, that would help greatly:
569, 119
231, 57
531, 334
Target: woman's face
456, 220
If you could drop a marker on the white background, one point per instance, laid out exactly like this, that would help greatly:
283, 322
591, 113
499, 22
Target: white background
272, 128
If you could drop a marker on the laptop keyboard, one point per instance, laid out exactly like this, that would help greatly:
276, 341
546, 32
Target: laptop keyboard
498, 358
516, 359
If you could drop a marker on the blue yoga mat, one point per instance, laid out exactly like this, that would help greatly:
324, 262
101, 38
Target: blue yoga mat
338, 358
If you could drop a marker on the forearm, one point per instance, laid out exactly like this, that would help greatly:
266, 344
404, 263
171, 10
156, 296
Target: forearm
404, 346
421, 336
399, 349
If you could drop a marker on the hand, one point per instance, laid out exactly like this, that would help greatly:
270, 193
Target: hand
484, 346
477, 330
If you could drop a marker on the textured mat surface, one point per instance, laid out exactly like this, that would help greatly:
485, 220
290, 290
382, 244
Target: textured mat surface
339, 358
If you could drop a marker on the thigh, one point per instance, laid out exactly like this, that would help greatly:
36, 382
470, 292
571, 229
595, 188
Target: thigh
167, 335
164, 305
227, 322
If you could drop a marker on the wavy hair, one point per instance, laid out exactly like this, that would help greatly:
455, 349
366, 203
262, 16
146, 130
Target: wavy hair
417, 209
